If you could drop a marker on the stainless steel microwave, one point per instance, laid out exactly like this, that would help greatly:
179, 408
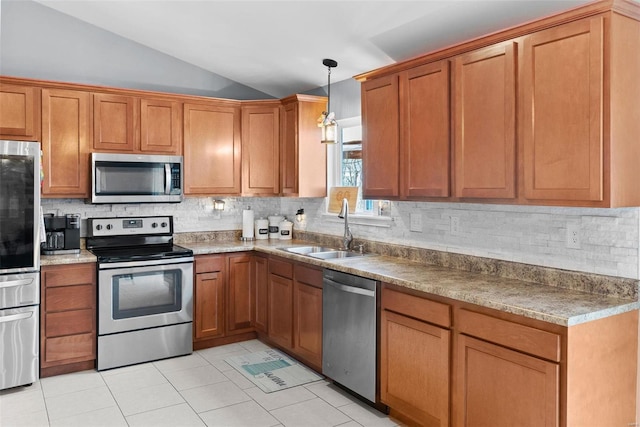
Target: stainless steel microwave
136, 178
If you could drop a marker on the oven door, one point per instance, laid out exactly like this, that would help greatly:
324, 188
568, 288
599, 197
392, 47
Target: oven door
144, 294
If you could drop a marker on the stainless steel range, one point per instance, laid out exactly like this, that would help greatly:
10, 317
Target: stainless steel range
145, 290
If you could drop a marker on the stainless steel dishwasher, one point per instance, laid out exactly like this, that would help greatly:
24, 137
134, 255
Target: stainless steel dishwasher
349, 330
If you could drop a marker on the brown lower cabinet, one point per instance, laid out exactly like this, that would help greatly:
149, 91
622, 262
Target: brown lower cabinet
295, 310
450, 363
68, 318
239, 295
222, 299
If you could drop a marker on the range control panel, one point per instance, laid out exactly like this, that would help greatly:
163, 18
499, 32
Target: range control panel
130, 226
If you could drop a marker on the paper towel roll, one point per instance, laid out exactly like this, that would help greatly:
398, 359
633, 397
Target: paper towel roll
247, 224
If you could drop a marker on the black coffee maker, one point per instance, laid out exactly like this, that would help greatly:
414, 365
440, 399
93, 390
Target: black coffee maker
62, 234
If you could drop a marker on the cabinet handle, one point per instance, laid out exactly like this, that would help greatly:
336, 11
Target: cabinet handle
14, 317
12, 283
167, 178
350, 289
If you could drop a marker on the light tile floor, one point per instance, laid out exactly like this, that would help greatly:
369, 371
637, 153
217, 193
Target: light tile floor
196, 390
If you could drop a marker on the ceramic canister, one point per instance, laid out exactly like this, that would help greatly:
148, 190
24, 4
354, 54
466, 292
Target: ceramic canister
286, 230
262, 229
274, 226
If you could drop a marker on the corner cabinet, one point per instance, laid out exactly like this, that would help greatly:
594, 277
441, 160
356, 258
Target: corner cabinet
212, 147
260, 292
66, 142
542, 114
280, 302
208, 297
68, 313
19, 112
303, 158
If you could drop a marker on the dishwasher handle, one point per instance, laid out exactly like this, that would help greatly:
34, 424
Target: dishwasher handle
350, 289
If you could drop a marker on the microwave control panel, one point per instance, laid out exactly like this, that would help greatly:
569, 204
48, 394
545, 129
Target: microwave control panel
130, 226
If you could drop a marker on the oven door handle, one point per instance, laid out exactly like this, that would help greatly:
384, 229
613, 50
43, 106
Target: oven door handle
13, 283
15, 317
167, 178
350, 289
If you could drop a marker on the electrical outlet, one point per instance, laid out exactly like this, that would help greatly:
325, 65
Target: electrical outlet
416, 222
573, 236
455, 226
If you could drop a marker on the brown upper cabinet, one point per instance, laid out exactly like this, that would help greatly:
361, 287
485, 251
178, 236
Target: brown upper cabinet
19, 112
381, 137
66, 142
261, 148
542, 114
125, 123
485, 122
303, 158
212, 149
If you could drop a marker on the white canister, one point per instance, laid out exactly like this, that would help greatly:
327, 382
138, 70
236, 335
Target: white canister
274, 226
286, 230
262, 229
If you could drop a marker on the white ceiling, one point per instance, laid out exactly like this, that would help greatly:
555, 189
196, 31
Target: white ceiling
277, 47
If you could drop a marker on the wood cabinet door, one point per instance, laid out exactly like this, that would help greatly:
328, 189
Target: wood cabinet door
211, 149
68, 315
115, 122
281, 310
485, 123
160, 126
208, 319
425, 148
562, 112
503, 388
239, 298
19, 112
307, 314
260, 292
66, 143
261, 150
289, 149
380, 138
414, 369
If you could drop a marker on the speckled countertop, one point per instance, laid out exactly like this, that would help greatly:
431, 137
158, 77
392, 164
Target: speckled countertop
555, 305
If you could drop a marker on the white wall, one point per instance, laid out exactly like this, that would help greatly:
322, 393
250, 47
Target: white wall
527, 234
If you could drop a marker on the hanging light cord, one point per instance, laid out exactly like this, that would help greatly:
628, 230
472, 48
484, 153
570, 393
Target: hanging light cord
329, 91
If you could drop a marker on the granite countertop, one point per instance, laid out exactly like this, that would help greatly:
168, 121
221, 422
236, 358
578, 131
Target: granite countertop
551, 304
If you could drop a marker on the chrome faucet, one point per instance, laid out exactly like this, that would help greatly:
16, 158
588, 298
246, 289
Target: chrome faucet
344, 213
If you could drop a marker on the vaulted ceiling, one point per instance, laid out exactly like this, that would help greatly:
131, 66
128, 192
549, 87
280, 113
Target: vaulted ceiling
277, 47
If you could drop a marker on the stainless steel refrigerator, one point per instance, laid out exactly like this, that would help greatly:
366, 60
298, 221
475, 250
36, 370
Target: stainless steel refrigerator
19, 262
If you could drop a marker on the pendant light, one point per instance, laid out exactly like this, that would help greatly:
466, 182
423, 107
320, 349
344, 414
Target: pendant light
327, 120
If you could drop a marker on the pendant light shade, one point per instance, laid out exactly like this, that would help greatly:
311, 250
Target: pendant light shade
327, 120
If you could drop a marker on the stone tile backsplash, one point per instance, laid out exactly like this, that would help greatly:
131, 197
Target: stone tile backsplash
609, 238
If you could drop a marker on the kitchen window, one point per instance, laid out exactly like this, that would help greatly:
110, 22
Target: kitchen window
345, 169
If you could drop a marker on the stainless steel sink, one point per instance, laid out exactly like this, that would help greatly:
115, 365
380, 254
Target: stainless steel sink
335, 254
307, 250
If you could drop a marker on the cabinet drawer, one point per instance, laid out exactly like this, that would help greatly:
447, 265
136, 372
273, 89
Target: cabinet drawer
416, 307
66, 275
308, 276
518, 337
281, 268
69, 322
69, 298
69, 347
209, 263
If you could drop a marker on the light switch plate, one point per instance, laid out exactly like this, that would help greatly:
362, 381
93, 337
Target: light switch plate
416, 222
